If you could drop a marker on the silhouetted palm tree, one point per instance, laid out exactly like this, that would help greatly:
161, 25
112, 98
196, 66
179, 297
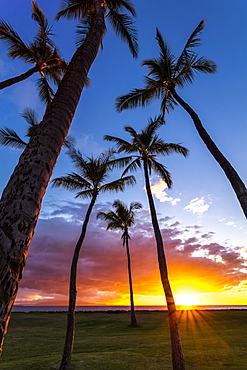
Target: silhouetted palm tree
122, 219
88, 182
166, 73
22, 197
41, 52
148, 145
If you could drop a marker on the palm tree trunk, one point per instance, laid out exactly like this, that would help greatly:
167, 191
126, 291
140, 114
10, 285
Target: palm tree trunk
236, 182
21, 199
22, 77
70, 332
176, 345
133, 321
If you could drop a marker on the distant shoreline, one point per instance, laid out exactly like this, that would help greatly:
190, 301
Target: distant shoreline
116, 309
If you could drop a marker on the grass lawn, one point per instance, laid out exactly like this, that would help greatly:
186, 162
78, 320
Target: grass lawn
212, 340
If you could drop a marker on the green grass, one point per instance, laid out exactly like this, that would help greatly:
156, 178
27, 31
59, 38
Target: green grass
212, 340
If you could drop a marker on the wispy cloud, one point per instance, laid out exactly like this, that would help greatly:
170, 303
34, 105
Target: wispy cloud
197, 206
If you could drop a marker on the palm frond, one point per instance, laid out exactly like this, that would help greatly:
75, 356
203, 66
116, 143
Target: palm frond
136, 98
45, 29
69, 142
201, 64
83, 28
46, 93
16, 47
121, 145
123, 25
162, 67
120, 162
119, 184
75, 9
84, 194
188, 52
163, 148
135, 205
121, 5
112, 218
161, 170
133, 166
72, 182
9, 137
194, 65
30, 116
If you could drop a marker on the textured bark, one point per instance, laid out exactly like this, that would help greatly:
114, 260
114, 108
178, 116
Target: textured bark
21, 199
22, 77
176, 344
236, 182
70, 332
133, 321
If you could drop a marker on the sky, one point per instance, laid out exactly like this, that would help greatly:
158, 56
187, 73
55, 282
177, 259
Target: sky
202, 224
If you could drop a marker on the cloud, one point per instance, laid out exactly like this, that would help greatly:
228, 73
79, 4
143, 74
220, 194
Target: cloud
102, 268
197, 206
231, 223
158, 190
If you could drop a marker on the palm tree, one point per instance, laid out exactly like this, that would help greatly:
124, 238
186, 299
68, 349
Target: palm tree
41, 53
88, 183
22, 197
122, 219
10, 138
148, 145
165, 74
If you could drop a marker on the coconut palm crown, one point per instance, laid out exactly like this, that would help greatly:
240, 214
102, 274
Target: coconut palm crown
166, 72
148, 145
122, 218
41, 52
90, 179
122, 23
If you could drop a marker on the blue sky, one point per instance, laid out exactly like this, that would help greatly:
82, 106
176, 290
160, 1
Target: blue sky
201, 197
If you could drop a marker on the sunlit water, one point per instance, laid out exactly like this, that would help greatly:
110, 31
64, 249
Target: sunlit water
119, 308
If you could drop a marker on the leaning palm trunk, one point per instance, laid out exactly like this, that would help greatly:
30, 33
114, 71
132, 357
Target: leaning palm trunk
133, 321
70, 332
22, 77
236, 182
21, 199
176, 345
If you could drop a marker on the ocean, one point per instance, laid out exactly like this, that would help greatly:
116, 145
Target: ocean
19, 308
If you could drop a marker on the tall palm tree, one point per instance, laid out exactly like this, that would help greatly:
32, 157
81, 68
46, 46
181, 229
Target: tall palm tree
41, 53
148, 145
88, 182
10, 138
166, 74
122, 219
22, 197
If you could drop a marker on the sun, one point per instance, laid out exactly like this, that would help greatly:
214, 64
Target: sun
186, 300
